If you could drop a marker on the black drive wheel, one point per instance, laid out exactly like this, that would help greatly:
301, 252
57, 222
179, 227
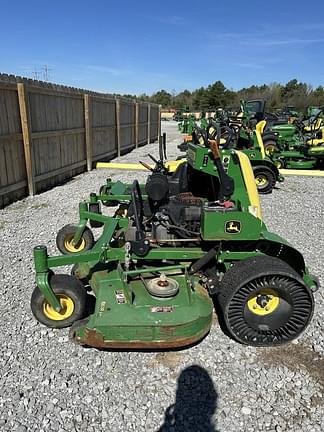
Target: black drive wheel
95, 208
264, 302
270, 147
72, 297
65, 236
265, 178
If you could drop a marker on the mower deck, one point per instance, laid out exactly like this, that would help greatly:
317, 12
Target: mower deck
127, 316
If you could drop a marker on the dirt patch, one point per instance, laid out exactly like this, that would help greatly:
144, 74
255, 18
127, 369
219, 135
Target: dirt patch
168, 359
2, 224
17, 207
295, 357
40, 206
215, 321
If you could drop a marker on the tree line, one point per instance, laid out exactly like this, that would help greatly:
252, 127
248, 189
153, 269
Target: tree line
297, 94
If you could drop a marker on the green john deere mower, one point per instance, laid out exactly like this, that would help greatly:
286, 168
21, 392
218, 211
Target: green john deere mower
175, 247
294, 146
247, 139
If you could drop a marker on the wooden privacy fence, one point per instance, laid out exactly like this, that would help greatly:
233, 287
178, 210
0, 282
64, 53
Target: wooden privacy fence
50, 133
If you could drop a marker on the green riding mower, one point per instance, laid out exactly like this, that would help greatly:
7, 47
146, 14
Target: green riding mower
299, 145
175, 248
249, 141
187, 125
294, 146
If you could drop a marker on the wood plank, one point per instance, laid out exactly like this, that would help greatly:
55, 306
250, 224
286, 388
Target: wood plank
61, 139
45, 108
51, 92
8, 86
13, 187
148, 123
59, 132
136, 124
5, 175
110, 153
118, 136
59, 171
15, 151
159, 121
25, 122
88, 130
102, 128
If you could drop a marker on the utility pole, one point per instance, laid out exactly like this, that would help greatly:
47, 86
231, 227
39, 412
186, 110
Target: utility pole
36, 74
46, 70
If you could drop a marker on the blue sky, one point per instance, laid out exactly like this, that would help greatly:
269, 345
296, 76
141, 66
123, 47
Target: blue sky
144, 46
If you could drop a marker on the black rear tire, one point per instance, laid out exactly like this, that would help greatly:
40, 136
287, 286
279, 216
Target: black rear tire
287, 306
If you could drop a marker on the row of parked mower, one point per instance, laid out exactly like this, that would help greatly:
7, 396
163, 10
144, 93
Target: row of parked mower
190, 240
288, 142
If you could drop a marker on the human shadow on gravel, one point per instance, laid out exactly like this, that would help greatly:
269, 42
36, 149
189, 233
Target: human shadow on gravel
196, 403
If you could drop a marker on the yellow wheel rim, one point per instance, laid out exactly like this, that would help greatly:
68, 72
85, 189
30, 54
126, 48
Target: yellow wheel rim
261, 180
270, 149
67, 308
70, 247
264, 302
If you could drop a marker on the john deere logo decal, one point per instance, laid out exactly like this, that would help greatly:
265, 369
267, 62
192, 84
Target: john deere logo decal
233, 227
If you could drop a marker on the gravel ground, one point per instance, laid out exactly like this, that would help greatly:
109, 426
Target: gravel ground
49, 384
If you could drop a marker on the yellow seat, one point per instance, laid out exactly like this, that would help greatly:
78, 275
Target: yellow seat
258, 128
249, 180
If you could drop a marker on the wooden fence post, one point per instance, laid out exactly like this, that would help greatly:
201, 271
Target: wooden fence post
136, 124
88, 130
148, 123
26, 132
159, 121
118, 125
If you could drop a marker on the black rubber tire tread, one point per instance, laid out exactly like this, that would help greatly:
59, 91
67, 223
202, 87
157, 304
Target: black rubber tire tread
61, 284
268, 142
69, 230
246, 271
95, 208
271, 176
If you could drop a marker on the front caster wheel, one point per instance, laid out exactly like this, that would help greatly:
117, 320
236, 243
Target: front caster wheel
265, 179
64, 240
270, 147
264, 302
72, 297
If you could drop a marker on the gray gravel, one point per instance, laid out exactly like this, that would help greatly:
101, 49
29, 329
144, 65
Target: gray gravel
49, 384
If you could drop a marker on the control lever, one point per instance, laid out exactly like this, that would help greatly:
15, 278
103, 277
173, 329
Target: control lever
141, 245
226, 182
145, 165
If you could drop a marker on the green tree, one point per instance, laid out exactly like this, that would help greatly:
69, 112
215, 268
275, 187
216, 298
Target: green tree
163, 98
